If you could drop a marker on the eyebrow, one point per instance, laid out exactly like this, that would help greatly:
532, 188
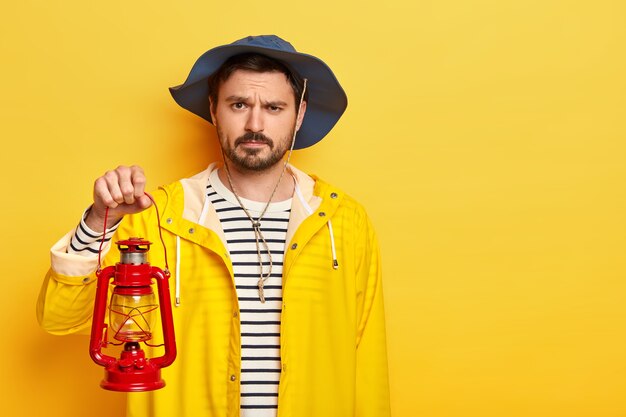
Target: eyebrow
244, 99
236, 98
277, 103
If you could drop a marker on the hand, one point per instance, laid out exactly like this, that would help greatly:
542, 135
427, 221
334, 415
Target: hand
122, 191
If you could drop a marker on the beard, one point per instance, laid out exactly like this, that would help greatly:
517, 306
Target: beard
247, 159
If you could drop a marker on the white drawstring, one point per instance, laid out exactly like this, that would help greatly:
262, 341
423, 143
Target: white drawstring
309, 211
332, 245
177, 289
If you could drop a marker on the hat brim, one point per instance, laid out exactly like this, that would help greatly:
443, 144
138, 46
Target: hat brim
326, 99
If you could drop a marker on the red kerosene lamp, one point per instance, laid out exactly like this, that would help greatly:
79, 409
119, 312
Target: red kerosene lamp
132, 310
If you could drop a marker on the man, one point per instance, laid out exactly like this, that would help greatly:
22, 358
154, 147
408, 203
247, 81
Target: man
279, 305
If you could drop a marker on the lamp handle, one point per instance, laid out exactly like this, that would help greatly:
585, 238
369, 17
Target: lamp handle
99, 309
167, 320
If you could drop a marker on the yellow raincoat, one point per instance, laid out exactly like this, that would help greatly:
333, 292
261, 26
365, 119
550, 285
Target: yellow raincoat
333, 349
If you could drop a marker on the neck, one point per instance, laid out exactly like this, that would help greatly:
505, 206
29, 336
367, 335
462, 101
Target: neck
258, 186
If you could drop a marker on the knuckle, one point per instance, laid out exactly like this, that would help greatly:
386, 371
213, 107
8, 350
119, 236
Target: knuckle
126, 189
137, 173
109, 201
123, 169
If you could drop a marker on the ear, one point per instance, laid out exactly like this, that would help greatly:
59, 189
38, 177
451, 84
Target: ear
212, 110
301, 115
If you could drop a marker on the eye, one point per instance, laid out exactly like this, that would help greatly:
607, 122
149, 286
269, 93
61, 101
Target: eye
238, 106
274, 109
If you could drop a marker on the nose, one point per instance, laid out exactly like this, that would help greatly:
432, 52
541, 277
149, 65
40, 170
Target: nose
254, 123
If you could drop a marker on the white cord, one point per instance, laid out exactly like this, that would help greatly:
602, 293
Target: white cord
177, 289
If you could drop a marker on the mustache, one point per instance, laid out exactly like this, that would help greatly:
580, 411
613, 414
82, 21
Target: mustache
254, 137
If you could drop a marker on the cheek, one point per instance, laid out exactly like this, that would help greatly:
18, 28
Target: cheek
284, 123
226, 122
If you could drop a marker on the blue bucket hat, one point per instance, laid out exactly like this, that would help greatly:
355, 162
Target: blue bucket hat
326, 99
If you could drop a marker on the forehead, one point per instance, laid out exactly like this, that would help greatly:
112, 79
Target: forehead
244, 83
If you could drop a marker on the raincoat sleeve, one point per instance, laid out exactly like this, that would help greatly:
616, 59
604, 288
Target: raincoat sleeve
65, 303
372, 380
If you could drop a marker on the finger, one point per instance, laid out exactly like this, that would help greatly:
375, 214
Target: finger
113, 184
102, 196
144, 202
125, 183
139, 181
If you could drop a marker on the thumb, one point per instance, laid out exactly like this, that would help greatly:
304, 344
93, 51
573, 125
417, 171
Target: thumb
144, 201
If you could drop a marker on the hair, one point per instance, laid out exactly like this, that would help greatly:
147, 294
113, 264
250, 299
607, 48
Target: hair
255, 63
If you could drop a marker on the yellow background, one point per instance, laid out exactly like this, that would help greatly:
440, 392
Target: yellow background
486, 138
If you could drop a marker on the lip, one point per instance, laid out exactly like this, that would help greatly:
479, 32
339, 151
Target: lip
253, 143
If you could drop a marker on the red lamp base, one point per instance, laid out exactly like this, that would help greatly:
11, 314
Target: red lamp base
115, 380
132, 372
